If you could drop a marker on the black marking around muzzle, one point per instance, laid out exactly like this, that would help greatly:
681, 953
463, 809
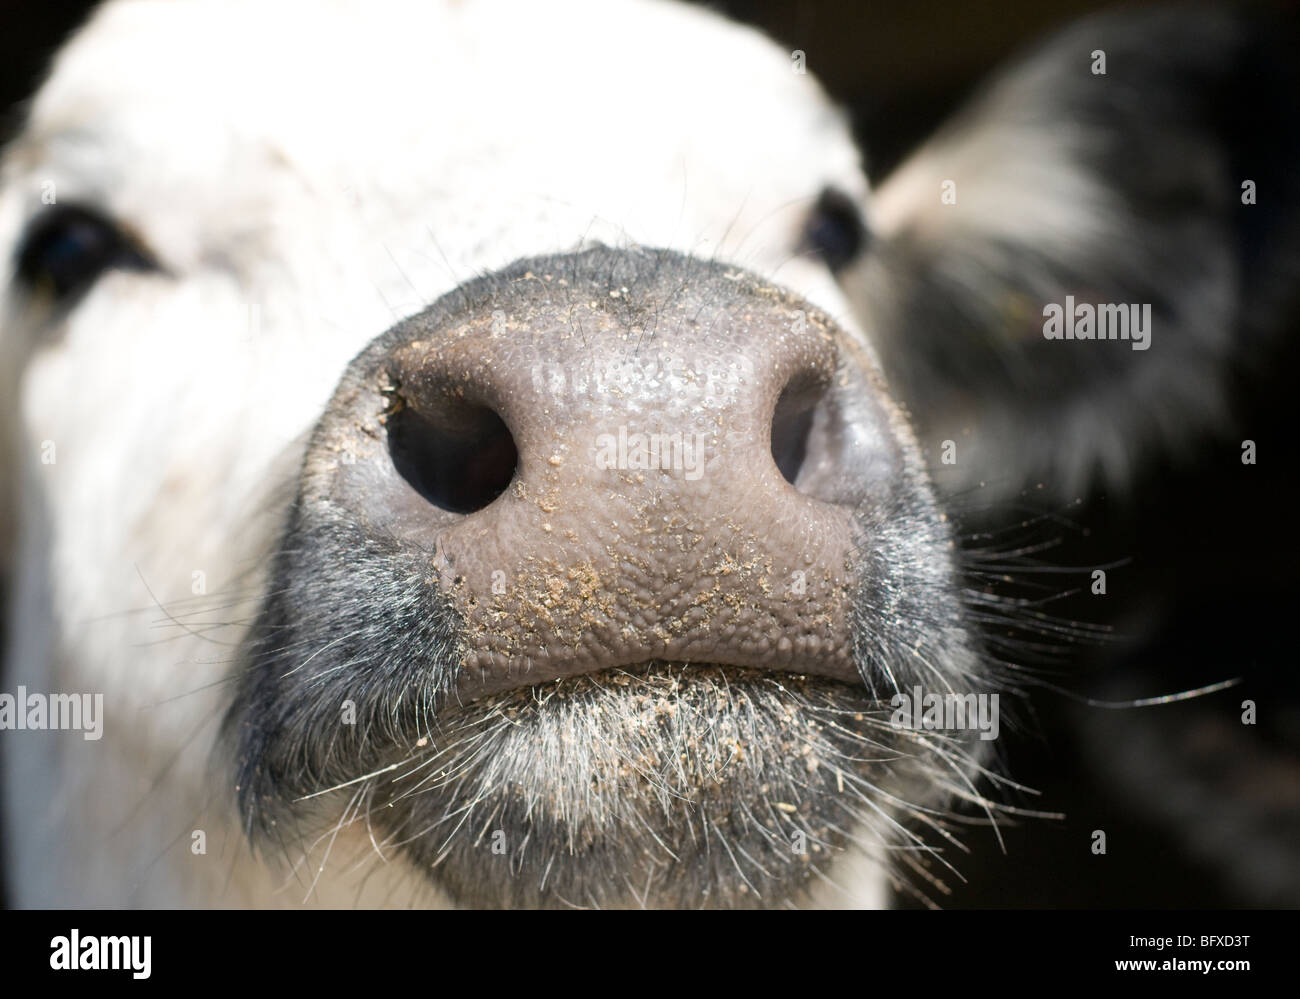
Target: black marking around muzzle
354, 652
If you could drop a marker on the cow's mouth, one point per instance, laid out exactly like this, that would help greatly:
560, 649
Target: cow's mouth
667, 784
670, 785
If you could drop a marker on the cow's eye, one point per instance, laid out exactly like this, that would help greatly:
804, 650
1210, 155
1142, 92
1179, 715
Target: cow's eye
834, 230
67, 247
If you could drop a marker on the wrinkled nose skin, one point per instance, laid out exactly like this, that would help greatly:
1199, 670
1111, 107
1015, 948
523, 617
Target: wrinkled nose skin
616, 457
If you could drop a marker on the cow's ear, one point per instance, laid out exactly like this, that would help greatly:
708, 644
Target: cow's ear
1144, 160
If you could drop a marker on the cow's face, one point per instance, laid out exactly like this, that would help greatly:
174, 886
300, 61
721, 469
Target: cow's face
587, 581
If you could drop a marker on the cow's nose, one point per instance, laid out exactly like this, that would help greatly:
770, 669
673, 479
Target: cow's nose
618, 458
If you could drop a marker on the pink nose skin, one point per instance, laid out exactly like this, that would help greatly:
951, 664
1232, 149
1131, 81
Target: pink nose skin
603, 477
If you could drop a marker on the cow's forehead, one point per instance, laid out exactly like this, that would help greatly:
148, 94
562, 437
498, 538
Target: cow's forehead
514, 128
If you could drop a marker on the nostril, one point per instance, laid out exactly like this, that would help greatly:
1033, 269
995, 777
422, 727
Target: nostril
460, 458
792, 425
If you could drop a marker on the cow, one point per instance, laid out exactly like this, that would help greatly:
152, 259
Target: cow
492, 454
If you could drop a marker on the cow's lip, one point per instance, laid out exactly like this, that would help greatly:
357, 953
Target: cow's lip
550, 672
624, 766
